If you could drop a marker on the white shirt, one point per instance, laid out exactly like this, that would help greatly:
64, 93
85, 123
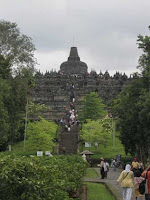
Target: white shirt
106, 165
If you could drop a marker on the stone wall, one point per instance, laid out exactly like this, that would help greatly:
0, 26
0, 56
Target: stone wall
53, 89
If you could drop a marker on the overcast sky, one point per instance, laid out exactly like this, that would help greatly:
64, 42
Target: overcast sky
104, 31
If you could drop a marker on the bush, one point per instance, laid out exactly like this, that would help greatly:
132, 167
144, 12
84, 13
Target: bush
41, 178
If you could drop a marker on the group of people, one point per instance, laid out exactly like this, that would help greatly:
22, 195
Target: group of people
71, 116
133, 175
104, 168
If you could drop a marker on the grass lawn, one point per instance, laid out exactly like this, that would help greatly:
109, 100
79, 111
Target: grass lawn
91, 173
98, 191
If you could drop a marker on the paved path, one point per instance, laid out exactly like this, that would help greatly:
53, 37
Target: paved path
111, 183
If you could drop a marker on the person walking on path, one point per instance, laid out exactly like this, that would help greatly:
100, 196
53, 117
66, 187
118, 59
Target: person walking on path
106, 168
114, 164
141, 166
134, 165
127, 182
102, 168
147, 192
137, 180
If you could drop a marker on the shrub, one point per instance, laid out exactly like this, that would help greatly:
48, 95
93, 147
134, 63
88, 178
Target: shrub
37, 178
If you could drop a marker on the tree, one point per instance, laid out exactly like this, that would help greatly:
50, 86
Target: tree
5, 68
92, 107
35, 111
96, 132
21, 86
4, 124
40, 135
16, 50
125, 107
16, 47
144, 60
133, 107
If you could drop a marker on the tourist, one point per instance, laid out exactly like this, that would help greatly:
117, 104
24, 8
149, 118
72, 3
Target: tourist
69, 128
127, 182
137, 180
72, 86
62, 121
66, 127
102, 168
134, 165
141, 166
77, 122
147, 192
106, 168
72, 106
72, 117
84, 157
114, 164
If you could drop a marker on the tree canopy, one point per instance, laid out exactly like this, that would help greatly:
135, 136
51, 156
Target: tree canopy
96, 132
40, 135
16, 47
16, 50
132, 106
92, 107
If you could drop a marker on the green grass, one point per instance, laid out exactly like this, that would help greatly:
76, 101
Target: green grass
91, 173
18, 149
98, 191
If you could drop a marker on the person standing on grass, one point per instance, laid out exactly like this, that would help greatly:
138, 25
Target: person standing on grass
127, 182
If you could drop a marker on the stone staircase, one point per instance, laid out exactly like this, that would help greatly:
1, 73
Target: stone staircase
68, 140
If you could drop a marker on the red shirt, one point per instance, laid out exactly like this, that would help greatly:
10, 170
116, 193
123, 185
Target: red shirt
148, 179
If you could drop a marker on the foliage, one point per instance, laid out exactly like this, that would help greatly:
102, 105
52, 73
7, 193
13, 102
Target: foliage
144, 60
4, 125
127, 112
16, 102
36, 110
16, 47
95, 132
92, 107
5, 68
108, 151
40, 135
133, 107
40, 178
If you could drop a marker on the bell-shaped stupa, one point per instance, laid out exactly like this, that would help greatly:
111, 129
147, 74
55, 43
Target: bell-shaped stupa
73, 65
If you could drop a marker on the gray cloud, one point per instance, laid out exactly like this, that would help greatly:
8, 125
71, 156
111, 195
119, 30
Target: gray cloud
105, 32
